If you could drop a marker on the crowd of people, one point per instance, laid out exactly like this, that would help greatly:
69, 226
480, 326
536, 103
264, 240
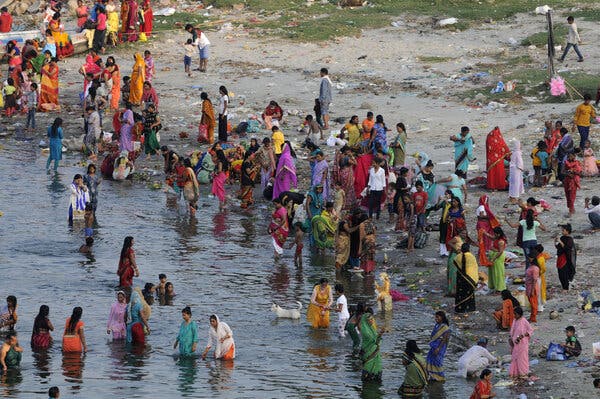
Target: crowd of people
338, 209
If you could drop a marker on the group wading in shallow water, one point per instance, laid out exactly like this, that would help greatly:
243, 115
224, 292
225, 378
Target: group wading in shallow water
337, 206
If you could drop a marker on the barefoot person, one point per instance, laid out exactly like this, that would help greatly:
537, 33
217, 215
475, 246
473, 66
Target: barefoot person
220, 338
520, 333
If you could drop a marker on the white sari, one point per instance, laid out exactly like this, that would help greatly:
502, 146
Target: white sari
215, 336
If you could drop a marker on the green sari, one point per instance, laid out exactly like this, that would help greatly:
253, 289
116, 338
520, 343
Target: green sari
415, 379
496, 278
12, 359
451, 274
323, 230
370, 356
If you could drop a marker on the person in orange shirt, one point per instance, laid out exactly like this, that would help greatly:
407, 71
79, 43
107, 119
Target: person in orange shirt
367, 126
5, 20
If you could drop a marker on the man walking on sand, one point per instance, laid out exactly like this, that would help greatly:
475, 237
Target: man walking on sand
325, 96
573, 40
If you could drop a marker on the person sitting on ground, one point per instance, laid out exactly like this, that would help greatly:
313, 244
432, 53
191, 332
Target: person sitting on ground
504, 315
87, 247
572, 346
593, 211
475, 359
273, 115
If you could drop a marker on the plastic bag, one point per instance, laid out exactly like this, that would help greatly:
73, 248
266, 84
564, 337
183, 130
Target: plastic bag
555, 352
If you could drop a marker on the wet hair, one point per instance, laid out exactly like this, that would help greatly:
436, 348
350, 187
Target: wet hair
223, 159
506, 294
88, 206
10, 335
187, 310
89, 241
339, 288
75, 317
485, 373
292, 152
11, 300
167, 285
309, 117
529, 219
53, 392
161, 276
519, 310
147, 288
54, 128
127, 242
443, 316
40, 319
411, 348
323, 280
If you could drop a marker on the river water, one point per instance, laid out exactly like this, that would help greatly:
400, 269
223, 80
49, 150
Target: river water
221, 263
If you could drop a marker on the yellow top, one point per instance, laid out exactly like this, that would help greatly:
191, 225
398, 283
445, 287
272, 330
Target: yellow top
472, 269
583, 114
353, 134
535, 160
278, 141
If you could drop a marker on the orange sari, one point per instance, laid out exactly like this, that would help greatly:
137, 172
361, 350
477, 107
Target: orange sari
49, 88
138, 77
115, 93
505, 317
208, 119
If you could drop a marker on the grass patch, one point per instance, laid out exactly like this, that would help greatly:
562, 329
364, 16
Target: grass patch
583, 82
590, 14
540, 39
434, 59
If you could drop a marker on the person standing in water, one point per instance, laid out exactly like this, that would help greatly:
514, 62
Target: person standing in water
220, 337
187, 339
55, 134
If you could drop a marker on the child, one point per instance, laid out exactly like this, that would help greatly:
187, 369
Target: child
53, 393
341, 306
298, 242
10, 97
572, 346
189, 50
539, 157
88, 217
149, 61
410, 218
87, 247
483, 388
590, 168
32, 100
391, 196
420, 199
317, 109
169, 290
162, 281
313, 127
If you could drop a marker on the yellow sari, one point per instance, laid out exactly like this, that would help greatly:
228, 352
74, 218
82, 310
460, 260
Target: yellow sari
138, 77
316, 316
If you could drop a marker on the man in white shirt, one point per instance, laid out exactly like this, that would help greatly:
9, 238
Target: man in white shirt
475, 359
376, 187
573, 40
593, 211
341, 307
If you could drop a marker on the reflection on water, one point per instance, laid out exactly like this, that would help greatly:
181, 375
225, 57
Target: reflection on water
219, 262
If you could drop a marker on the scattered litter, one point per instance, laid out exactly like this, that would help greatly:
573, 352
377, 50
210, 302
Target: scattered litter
447, 21
498, 89
397, 24
542, 10
165, 12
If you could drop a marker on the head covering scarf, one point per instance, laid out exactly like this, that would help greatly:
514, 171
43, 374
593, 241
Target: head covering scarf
286, 160
484, 201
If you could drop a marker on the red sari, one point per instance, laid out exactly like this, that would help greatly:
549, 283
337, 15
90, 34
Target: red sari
361, 172
571, 182
125, 270
146, 27
482, 389
496, 151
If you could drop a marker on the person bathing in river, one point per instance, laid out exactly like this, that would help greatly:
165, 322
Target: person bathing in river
220, 338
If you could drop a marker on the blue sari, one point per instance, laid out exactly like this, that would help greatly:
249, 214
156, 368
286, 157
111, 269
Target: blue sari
380, 137
463, 152
439, 344
133, 314
188, 336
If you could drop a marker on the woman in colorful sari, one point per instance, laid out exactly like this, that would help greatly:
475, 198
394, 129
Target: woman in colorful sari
127, 122
207, 168
369, 351
467, 275
208, 117
273, 114
127, 264
187, 339
73, 336
285, 175
483, 388
323, 227
454, 246
48, 100
505, 315
279, 228
368, 243
40, 336
361, 172
432, 189
399, 146
379, 135
342, 243
130, 20
346, 164
55, 135
486, 221
138, 313
64, 47
220, 337
191, 189
457, 225
519, 336
138, 78
146, 27
463, 150
113, 80
219, 177
149, 95
249, 171
571, 182
320, 175
415, 378
497, 279
78, 199
116, 318
152, 125
320, 302
540, 260
438, 343
456, 183
496, 152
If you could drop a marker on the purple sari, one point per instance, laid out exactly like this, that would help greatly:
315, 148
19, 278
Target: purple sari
285, 175
125, 142
320, 177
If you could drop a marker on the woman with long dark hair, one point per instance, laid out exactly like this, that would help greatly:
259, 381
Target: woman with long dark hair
223, 108
438, 344
504, 315
74, 337
467, 276
416, 376
496, 257
220, 176
529, 226
55, 134
127, 264
40, 336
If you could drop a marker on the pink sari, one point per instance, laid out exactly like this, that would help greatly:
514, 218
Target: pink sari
519, 366
279, 232
218, 186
